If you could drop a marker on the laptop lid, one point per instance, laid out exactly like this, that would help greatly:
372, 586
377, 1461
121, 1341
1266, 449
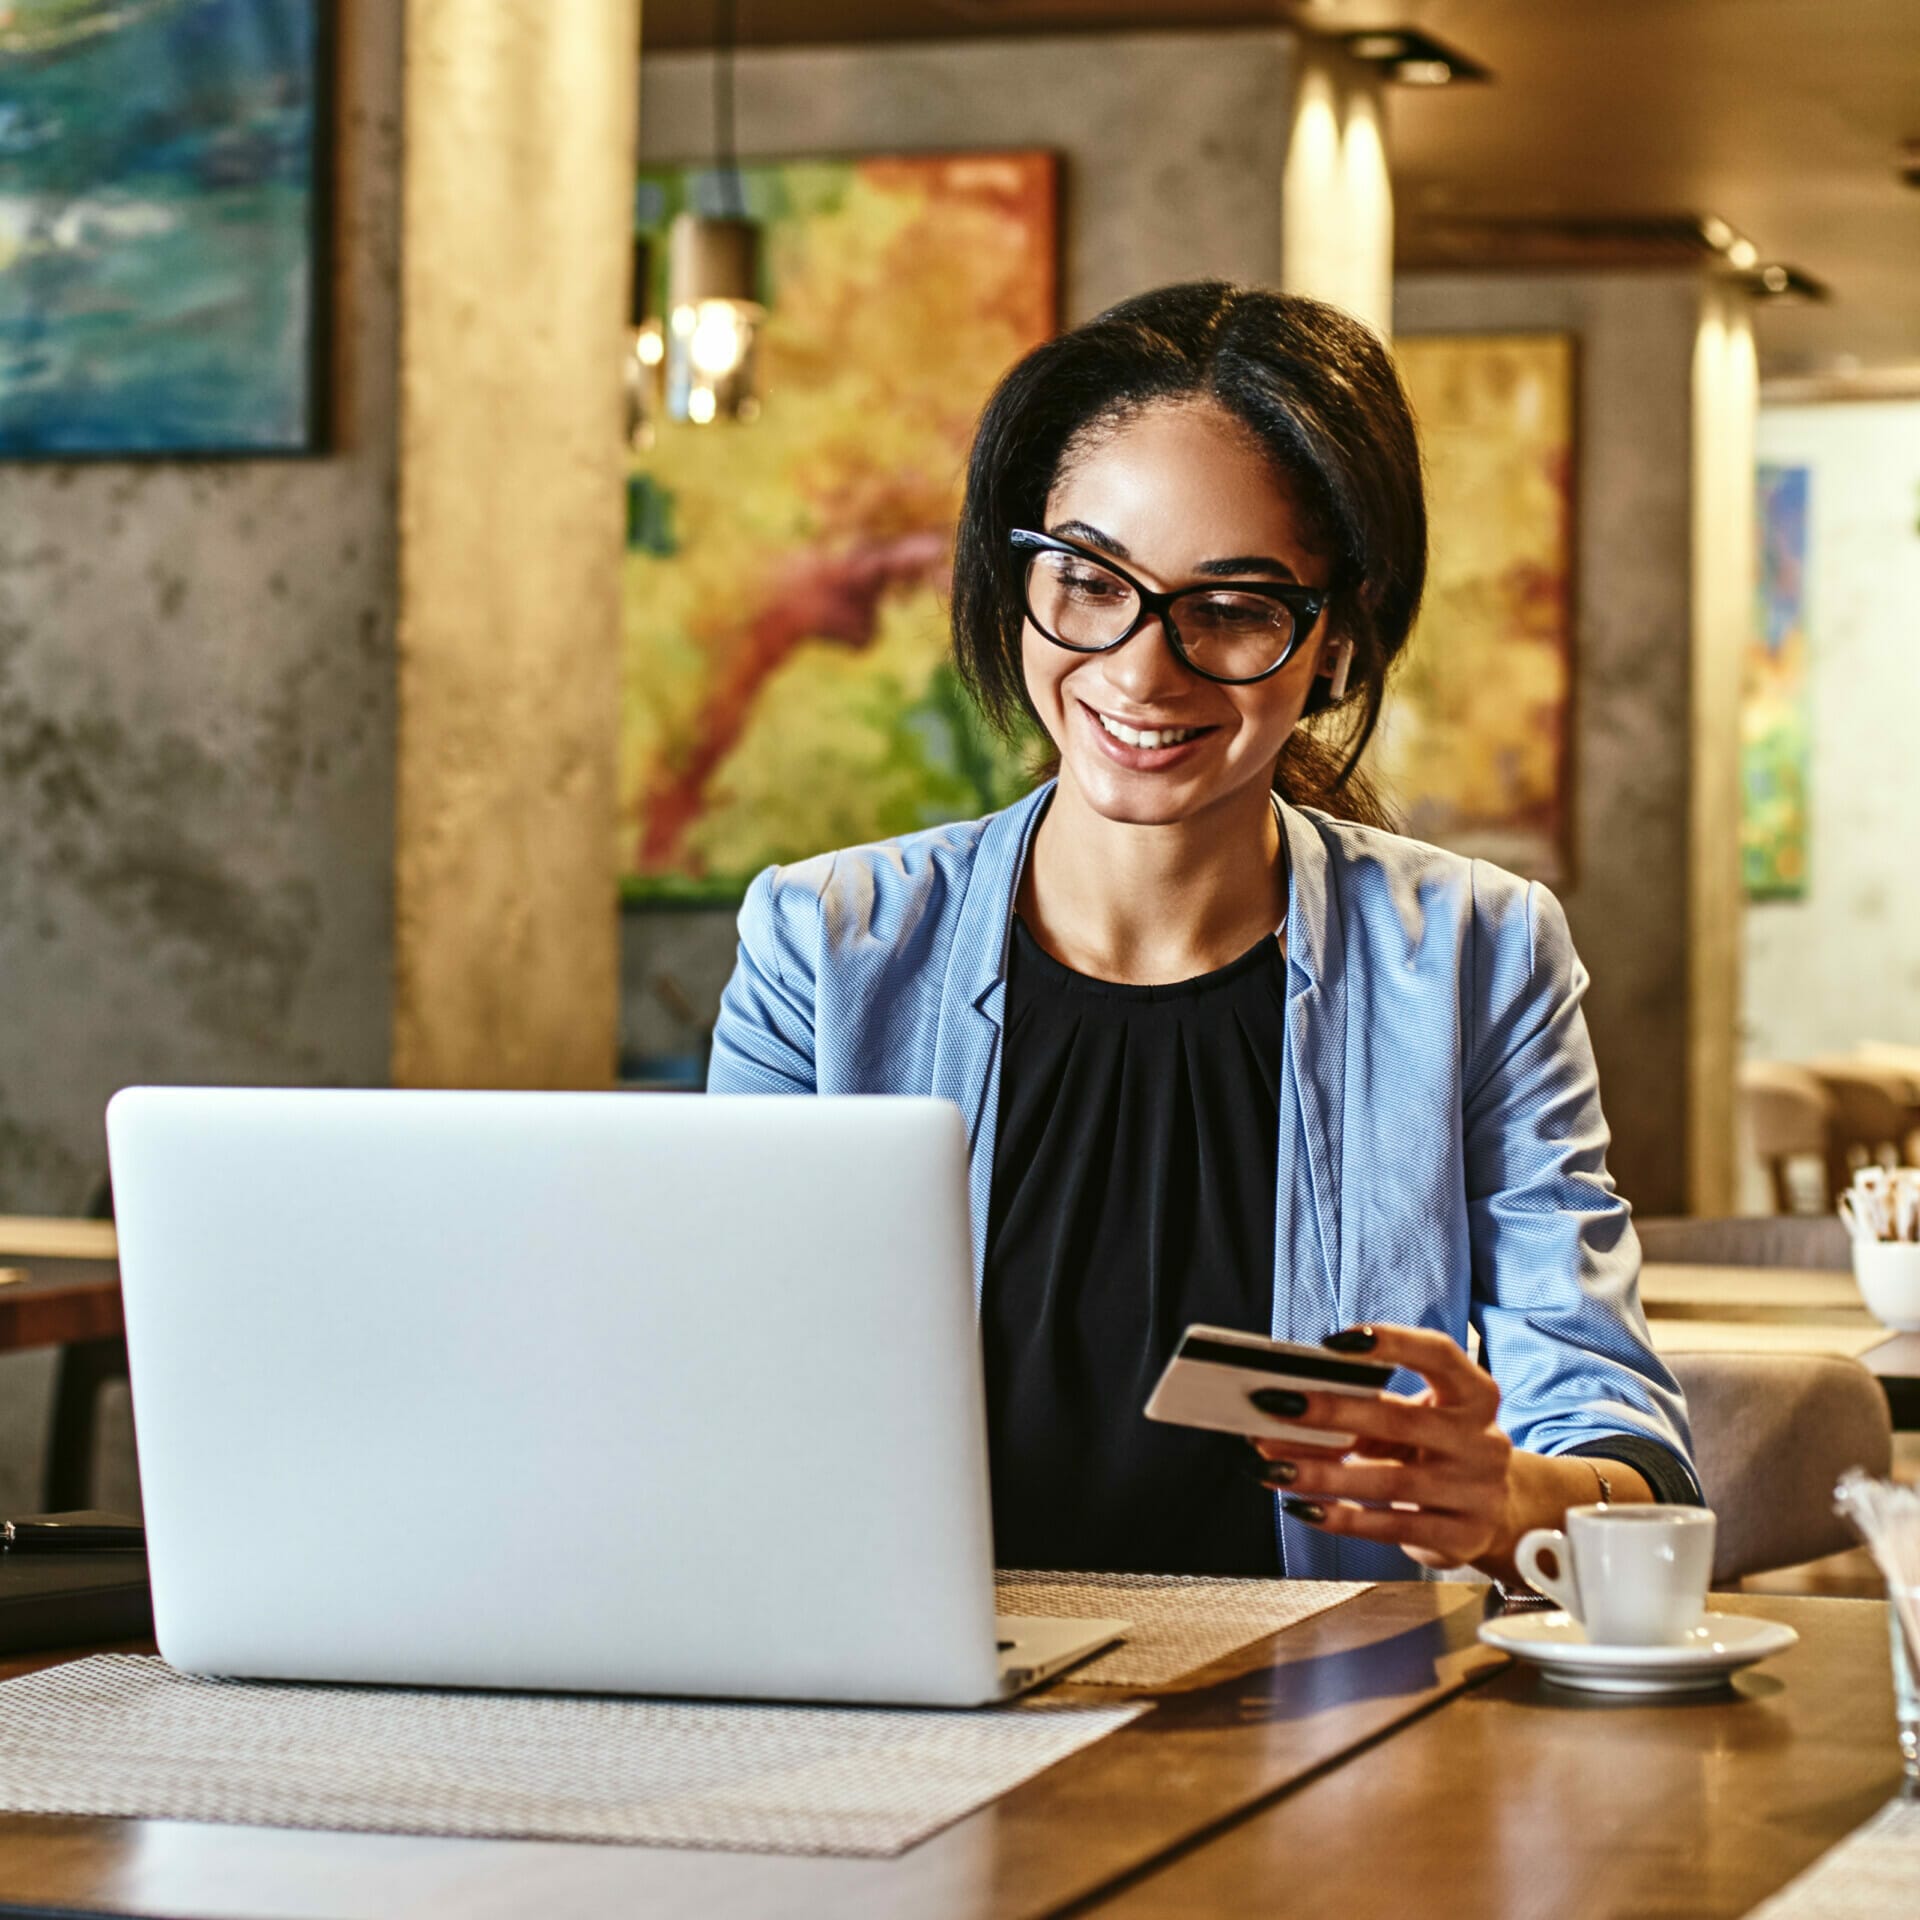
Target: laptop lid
616, 1392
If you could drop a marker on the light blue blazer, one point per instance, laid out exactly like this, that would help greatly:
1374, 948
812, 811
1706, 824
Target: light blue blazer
1442, 1150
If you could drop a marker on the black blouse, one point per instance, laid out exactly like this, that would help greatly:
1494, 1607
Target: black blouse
1133, 1192
1134, 1180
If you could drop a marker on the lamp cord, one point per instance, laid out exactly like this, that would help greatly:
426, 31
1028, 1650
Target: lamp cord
733, 199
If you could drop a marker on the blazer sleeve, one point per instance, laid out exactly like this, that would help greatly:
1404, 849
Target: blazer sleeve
763, 1041
1556, 1264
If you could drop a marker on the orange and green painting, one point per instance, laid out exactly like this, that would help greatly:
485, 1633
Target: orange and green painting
1473, 746
1775, 746
786, 682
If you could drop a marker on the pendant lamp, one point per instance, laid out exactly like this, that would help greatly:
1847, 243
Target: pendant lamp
713, 278
712, 313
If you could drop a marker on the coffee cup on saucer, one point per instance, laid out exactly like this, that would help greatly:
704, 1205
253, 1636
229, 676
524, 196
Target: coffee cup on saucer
1632, 1576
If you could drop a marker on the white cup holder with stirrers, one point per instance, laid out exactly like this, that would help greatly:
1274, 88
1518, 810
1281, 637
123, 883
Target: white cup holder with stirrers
1882, 1214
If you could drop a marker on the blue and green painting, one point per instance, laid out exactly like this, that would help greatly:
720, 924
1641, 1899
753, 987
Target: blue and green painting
158, 194
1775, 727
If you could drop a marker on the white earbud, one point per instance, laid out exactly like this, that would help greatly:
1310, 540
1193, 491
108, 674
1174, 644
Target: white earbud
1342, 664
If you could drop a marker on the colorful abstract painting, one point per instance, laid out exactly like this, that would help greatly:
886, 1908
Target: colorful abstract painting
1473, 748
158, 225
1775, 745
786, 685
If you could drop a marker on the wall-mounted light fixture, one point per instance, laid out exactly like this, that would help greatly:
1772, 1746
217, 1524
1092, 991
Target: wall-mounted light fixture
1412, 58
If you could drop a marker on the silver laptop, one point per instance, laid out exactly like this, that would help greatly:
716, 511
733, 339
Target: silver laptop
603, 1392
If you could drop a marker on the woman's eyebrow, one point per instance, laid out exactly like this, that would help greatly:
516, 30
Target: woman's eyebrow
1082, 530
1236, 567
1242, 564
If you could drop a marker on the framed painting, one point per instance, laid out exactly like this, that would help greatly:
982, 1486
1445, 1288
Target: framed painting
1474, 744
787, 686
1775, 729
162, 225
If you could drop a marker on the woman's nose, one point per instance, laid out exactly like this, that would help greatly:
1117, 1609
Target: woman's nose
1145, 665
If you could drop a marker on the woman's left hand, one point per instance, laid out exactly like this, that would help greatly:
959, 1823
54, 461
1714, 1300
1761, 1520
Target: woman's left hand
1432, 1472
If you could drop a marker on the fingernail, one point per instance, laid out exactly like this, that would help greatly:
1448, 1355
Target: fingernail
1280, 1473
1350, 1340
1279, 1401
1308, 1510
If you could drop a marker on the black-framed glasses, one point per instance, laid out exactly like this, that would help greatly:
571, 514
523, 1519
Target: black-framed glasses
1236, 632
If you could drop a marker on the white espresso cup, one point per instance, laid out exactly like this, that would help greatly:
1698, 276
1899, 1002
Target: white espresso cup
1633, 1576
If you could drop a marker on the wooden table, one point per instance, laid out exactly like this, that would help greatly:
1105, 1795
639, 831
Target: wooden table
60, 1287
1373, 1760
1780, 1310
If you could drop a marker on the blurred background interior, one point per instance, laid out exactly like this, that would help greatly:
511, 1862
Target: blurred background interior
476, 479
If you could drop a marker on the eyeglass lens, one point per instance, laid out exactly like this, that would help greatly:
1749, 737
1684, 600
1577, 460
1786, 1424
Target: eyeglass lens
1079, 603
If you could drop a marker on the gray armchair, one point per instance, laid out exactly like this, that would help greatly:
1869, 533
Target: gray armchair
1771, 1435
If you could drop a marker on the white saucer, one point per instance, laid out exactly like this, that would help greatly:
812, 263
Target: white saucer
1710, 1653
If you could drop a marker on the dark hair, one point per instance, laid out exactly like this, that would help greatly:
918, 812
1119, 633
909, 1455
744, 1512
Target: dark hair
1319, 392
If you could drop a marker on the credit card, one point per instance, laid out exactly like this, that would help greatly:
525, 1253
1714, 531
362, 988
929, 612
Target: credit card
1216, 1373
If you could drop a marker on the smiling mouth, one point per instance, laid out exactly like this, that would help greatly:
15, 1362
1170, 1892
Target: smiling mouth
1147, 737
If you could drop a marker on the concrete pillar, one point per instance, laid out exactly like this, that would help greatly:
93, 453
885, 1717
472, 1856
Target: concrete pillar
1726, 401
520, 128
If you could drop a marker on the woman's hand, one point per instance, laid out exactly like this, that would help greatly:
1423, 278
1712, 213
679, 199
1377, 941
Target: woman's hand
1430, 1472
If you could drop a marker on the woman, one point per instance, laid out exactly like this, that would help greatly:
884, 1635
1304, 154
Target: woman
1227, 1049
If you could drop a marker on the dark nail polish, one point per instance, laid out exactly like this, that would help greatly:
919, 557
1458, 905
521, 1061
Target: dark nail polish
1350, 1340
1279, 1473
1307, 1510
1279, 1401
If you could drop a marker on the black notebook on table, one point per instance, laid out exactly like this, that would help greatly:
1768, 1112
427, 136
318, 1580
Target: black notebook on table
78, 1599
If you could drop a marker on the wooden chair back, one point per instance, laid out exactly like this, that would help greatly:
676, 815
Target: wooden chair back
1787, 1114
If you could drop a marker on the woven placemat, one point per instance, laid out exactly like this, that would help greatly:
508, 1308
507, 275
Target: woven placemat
1179, 1622
1873, 1874
128, 1736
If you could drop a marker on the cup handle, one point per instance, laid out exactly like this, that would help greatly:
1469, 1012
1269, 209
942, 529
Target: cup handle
1562, 1587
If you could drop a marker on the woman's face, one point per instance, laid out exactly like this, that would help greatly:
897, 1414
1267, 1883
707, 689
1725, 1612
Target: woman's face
1180, 495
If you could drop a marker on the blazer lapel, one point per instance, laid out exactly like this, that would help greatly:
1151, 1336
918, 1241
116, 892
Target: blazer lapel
1317, 1044
966, 1046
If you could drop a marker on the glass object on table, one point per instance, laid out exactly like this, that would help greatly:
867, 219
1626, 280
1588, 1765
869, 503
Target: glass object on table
1903, 1625
1886, 1516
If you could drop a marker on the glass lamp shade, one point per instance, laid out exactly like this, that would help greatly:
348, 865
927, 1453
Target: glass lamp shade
713, 313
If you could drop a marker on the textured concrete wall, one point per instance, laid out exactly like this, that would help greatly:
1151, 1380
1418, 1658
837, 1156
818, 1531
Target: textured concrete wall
1173, 142
1173, 147
517, 209
196, 737
1628, 900
1843, 964
196, 744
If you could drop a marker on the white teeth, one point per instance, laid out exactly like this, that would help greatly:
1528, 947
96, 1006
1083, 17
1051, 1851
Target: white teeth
1161, 737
